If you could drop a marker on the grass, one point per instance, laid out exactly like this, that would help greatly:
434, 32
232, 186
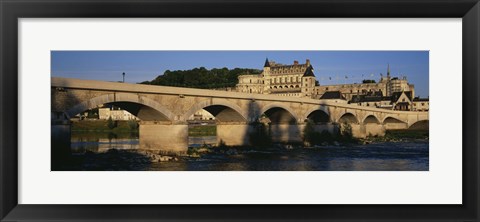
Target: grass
202, 130
101, 126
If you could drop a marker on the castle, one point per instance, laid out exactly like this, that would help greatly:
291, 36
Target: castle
298, 80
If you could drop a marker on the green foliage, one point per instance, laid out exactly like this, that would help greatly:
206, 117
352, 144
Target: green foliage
316, 138
201, 77
132, 124
346, 134
309, 132
259, 136
92, 114
110, 123
102, 126
202, 130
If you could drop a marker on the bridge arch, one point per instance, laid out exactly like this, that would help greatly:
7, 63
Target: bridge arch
279, 113
223, 110
390, 119
348, 118
140, 106
371, 119
420, 125
318, 114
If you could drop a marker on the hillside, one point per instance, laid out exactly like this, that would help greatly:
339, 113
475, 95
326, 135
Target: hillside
201, 77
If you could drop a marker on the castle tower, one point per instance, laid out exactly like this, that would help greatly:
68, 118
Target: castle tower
266, 68
266, 77
308, 81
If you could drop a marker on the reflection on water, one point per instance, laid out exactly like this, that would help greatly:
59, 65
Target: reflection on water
101, 142
201, 140
406, 156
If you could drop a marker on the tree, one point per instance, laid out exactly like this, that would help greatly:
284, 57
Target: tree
110, 123
201, 77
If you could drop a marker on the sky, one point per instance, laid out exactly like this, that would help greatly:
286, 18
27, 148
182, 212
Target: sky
330, 67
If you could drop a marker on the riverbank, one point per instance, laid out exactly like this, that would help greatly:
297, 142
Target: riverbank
398, 136
200, 130
97, 125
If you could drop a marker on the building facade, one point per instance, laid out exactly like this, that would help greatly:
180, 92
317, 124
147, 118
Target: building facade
115, 113
298, 80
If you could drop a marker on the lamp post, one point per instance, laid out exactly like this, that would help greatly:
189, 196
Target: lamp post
123, 74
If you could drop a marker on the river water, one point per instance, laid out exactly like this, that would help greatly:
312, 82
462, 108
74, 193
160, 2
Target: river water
385, 156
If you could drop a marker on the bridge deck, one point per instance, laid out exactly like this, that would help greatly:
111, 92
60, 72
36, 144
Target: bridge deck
168, 90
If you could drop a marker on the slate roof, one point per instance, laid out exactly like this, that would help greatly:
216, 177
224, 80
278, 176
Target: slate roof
332, 95
367, 98
417, 99
309, 71
267, 63
397, 95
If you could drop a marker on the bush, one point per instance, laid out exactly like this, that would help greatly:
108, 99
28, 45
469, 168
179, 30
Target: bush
315, 138
110, 123
133, 124
309, 133
346, 134
259, 136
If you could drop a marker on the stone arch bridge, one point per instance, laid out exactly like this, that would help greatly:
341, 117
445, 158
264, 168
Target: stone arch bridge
164, 112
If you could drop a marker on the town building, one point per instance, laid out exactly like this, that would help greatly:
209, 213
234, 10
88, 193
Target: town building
298, 80
116, 114
202, 115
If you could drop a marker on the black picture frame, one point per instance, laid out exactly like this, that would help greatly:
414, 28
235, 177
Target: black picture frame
11, 11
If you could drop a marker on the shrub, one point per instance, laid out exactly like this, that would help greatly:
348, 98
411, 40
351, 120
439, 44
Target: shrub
259, 136
133, 124
110, 123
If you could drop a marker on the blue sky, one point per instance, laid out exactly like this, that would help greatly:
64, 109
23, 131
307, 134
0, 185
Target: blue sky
331, 67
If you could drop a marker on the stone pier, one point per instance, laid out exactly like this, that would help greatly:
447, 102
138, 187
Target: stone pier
364, 130
286, 133
234, 134
374, 130
329, 127
166, 138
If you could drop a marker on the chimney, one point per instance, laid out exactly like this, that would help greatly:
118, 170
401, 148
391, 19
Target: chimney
308, 62
295, 62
